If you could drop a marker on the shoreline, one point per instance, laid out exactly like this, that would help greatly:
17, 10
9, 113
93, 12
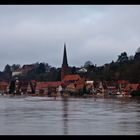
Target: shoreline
71, 96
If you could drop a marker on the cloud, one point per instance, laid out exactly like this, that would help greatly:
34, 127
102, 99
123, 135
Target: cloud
37, 33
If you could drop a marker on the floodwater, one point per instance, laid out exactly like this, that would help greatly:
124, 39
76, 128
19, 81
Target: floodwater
69, 116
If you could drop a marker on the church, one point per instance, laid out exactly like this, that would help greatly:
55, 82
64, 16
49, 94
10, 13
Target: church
66, 74
65, 69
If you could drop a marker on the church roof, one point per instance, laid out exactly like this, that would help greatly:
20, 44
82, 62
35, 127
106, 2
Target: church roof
73, 77
65, 61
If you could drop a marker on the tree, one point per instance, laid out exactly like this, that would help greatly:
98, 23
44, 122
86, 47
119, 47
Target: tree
73, 70
122, 58
88, 63
41, 68
15, 67
138, 50
12, 87
131, 57
48, 67
137, 54
7, 69
33, 87
58, 74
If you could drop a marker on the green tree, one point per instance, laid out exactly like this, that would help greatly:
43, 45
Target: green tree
7, 69
122, 58
73, 70
41, 68
15, 67
88, 63
137, 54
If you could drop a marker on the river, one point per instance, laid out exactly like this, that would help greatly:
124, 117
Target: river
69, 116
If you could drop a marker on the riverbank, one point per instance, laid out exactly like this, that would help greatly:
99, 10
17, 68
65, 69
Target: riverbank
68, 95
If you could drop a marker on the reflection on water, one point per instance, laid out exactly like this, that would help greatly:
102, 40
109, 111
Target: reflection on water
69, 116
65, 115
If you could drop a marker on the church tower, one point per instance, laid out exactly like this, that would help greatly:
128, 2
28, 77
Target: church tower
65, 67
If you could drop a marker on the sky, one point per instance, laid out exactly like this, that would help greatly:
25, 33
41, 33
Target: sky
96, 33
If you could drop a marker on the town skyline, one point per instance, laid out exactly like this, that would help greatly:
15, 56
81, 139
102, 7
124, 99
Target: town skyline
98, 33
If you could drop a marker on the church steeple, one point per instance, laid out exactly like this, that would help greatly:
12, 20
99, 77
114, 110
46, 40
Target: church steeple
65, 62
65, 67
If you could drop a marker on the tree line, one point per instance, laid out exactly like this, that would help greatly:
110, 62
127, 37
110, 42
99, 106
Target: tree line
125, 68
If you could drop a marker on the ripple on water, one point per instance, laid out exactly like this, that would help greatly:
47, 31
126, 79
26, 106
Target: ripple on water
47, 115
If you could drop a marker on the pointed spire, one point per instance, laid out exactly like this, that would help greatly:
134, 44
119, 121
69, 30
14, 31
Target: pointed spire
65, 62
65, 67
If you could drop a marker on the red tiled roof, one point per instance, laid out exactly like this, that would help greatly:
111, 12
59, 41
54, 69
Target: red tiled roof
79, 86
3, 85
54, 84
132, 86
123, 82
73, 86
73, 77
41, 85
81, 81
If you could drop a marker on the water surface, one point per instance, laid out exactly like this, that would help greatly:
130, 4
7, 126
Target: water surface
69, 116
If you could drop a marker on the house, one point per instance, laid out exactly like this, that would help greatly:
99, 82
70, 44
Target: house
41, 87
27, 68
47, 87
71, 78
3, 87
132, 87
24, 86
70, 82
23, 70
122, 84
111, 86
17, 72
82, 70
80, 84
76, 87
54, 86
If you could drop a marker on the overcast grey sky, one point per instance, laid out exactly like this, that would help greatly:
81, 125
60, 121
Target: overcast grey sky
36, 33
